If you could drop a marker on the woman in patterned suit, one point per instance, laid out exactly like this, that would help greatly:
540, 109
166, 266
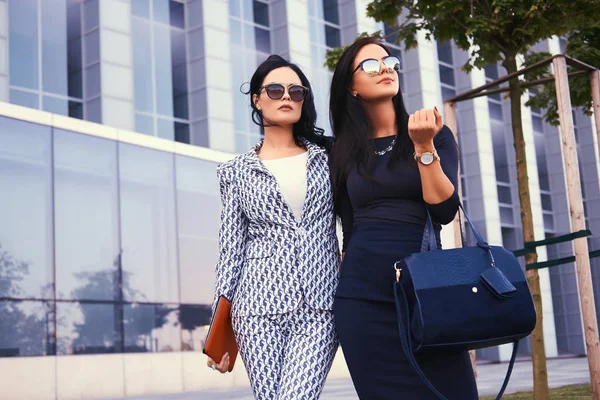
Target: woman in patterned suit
279, 255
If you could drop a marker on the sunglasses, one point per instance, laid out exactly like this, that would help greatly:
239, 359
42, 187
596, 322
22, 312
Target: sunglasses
275, 91
372, 66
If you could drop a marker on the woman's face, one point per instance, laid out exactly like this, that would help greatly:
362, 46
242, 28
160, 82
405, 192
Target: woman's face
378, 85
281, 98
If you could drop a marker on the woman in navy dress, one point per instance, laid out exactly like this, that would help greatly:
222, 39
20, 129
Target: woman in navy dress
388, 169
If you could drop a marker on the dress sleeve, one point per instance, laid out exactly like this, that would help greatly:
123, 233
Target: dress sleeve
347, 217
447, 149
232, 236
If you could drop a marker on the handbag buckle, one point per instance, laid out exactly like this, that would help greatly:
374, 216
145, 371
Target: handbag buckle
398, 271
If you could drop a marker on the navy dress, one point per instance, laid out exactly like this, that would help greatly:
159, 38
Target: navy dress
383, 217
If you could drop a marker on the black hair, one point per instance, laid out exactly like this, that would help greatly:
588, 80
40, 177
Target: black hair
306, 127
352, 127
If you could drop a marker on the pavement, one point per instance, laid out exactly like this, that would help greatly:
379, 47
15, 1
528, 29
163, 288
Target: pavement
561, 372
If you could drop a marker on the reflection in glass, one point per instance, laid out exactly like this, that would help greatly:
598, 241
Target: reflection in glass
55, 105
54, 46
26, 328
194, 321
151, 328
25, 207
23, 43
160, 10
86, 200
198, 223
148, 231
88, 328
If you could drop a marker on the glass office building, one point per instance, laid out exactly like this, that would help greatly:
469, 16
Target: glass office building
113, 117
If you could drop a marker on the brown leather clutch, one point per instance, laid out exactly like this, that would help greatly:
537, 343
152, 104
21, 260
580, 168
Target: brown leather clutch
220, 338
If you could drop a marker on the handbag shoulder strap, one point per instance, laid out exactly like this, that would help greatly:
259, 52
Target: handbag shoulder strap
403, 327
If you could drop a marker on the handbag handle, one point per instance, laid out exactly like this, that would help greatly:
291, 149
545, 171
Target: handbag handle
403, 327
429, 242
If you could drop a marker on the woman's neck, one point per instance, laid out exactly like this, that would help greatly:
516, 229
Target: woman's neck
279, 142
383, 118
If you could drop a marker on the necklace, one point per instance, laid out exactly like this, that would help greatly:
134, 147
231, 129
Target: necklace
387, 149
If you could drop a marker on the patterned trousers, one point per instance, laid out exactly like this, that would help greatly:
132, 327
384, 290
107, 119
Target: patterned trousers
287, 356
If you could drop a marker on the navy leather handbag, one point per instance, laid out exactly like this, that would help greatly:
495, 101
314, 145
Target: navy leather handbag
461, 299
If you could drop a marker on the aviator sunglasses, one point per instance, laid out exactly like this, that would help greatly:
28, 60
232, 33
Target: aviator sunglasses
372, 66
275, 91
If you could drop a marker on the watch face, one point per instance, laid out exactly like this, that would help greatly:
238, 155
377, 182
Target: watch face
427, 158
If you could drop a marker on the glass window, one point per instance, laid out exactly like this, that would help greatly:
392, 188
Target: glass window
74, 52
142, 69
26, 328
148, 231
23, 43
546, 202
179, 81
504, 194
194, 320
261, 13
491, 71
140, 8
25, 99
182, 132
177, 14
331, 12
88, 328
54, 47
445, 52
144, 124
198, 223
86, 198
263, 40
495, 111
25, 209
548, 221
151, 328
160, 10
447, 75
538, 125
55, 105
332, 36
163, 70
447, 93
166, 129
391, 33
506, 215
234, 8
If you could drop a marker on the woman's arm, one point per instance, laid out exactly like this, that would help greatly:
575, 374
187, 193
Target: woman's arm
439, 179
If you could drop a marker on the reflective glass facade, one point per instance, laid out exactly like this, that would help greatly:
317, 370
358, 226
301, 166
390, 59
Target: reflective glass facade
45, 55
105, 246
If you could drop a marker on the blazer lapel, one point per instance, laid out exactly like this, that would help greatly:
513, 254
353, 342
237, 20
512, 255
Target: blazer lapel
313, 175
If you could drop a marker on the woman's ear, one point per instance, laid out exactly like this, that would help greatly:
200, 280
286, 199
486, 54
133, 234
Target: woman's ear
256, 101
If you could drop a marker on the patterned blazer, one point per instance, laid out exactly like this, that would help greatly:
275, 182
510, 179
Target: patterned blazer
269, 261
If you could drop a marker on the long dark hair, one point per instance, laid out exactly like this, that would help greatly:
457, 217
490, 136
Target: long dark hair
306, 127
352, 127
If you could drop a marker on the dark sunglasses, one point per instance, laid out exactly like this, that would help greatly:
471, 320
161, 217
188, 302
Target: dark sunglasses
275, 91
372, 66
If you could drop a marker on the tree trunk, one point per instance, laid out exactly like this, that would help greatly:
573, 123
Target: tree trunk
538, 351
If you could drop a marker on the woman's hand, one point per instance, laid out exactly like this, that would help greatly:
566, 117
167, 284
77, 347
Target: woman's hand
423, 125
222, 367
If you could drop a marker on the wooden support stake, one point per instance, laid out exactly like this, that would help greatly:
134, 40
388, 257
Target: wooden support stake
582, 260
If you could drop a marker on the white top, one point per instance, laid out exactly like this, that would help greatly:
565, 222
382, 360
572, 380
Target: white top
290, 173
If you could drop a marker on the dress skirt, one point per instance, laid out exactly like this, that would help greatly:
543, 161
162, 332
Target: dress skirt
365, 319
